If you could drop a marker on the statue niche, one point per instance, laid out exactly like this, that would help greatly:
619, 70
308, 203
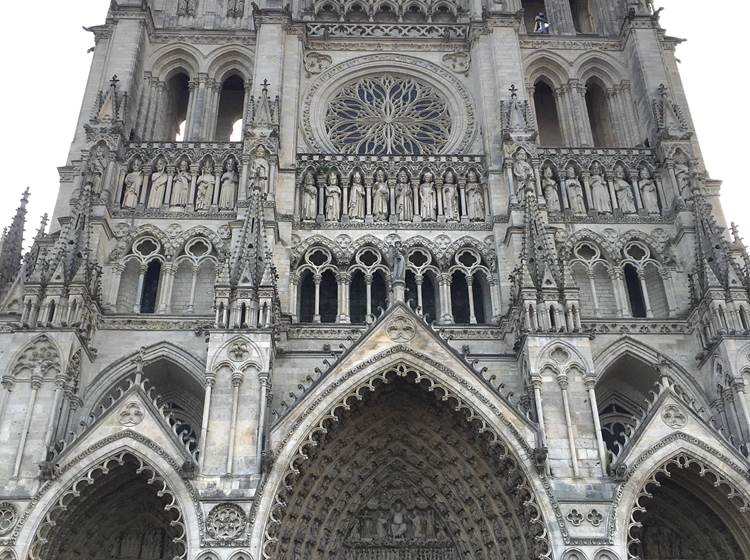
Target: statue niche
399, 517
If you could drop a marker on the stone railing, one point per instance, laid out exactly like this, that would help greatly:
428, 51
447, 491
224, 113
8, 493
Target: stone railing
414, 191
387, 30
179, 178
593, 182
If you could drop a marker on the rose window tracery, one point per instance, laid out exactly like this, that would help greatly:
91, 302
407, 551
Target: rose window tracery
388, 114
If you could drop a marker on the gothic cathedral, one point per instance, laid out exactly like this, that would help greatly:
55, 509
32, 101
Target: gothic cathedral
378, 280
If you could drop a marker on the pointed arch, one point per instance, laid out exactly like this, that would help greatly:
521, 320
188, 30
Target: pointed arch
306, 427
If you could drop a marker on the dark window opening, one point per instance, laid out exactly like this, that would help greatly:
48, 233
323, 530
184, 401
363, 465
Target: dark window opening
599, 117
231, 108
307, 298
150, 287
178, 97
460, 299
547, 117
357, 298
635, 292
429, 298
329, 300
379, 294
582, 19
532, 9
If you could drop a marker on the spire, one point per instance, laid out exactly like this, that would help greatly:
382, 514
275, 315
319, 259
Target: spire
539, 254
12, 249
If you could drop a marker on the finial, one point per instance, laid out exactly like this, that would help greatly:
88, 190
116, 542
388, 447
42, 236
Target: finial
265, 85
42, 227
113, 82
662, 89
25, 197
513, 91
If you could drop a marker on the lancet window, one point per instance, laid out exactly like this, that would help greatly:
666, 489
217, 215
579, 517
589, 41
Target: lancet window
231, 110
547, 115
194, 277
140, 279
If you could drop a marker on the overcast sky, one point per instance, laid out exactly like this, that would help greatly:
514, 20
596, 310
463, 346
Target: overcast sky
45, 73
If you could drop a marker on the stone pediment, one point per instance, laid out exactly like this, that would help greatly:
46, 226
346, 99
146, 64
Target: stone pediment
401, 339
134, 411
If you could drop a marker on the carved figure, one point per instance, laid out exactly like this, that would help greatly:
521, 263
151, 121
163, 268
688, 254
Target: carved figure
380, 196
357, 198
186, 7
451, 210
399, 520
204, 186
549, 187
97, 168
309, 198
599, 190
575, 191
404, 200
624, 192
682, 174
523, 173
474, 198
133, 184
428, 203
259, 174
648, 191
399, 263
333, 198
181, 184
229, 183
158, 185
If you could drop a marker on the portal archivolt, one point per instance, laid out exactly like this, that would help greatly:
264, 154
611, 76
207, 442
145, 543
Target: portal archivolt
402, 475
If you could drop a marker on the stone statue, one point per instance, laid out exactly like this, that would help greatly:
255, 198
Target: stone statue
451, 210
229, 183
399, 263
181, 184
380, 197
333, 198
599, 190
624, 192
682, 174
357, 193
575, 191
549, 187
649, 194
474, 198
399, 521
133, 184
404, 200
158, 185
309, 198
204, 187
97, 168
523, 173
259, 174
428, 202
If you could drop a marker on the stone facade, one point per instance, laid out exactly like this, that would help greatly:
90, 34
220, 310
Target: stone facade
378, 280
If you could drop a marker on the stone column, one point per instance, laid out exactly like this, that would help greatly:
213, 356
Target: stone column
53, 413
590, 381
562, 380
8, 383
317, 278
36, 384
210, 382
237, 378
264, 381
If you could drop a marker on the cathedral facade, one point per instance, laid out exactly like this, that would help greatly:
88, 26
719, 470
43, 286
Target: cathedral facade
378, 280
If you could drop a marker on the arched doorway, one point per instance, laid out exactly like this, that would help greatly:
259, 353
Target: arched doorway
120, 510
682, 515
402, 475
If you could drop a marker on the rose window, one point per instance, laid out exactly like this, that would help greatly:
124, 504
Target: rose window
388, 114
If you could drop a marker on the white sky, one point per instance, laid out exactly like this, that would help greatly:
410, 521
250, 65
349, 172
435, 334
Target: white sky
45, 73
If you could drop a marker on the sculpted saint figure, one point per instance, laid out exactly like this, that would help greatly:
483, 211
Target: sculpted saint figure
523, 173
682, 174
624, 192
428, 206
399, 263
474, 197
204, 187
229, 183
648, 191
309, 198
97, 169
599, 190
181, 184
158, 185
399, 522
575, 191
451, 210
380, 196
549, 187
404, 200
133, 184
357, 198
333, 198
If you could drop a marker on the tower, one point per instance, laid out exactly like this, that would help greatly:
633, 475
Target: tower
414, 279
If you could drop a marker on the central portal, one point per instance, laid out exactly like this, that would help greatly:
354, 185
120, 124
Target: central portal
403, 476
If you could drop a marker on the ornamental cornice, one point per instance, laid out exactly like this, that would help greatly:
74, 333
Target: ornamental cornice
222, 37
564, 43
